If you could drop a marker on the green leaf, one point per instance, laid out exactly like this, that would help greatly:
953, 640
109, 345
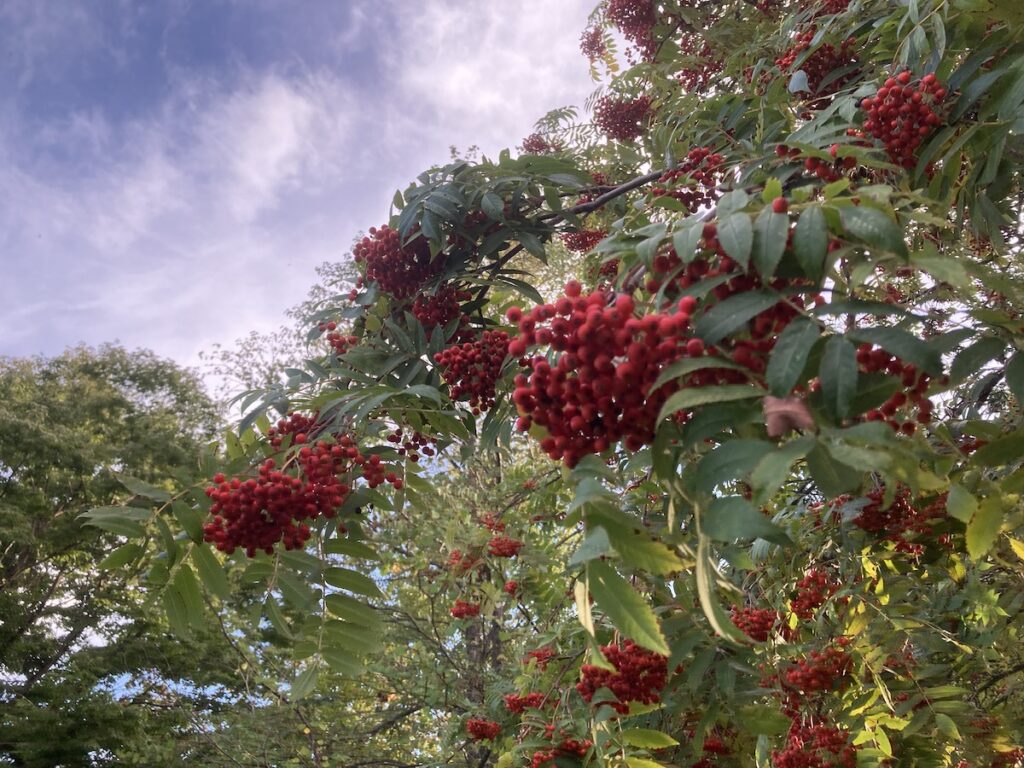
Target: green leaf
789, 357
772, 189
832, 477
688, 365
124, 521
186, 584
640, 762
972, 359
692, 397
713, 610
629, 612
905, 346
1004, 450
873, 228
644, 552
960, 503
356, 549
763, 718
731, 518
210, 572
1015, 377
774, 469
191, 520
838, 376
984, 527
731, 460
353, 610
736, 235
646, 738
595, 544
770, 231
341, 662
304, 684
176, 610
121, 556
493, 206
353, 581
810, 241
732, 314
140, 488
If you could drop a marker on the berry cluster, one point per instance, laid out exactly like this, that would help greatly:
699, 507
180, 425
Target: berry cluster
829, 7
504, 546
257, 513
481, 729
339, 342
815, 746
900, 519
541, 655
822, 671
583, 240
622, 119
639, 676
915, 385
901, 115
491, 522
462, 610
755, 623
462, 563
820, 63
546, 758
298, 425
704, 66
713, 748
592, 44
517, 704
826, 170
471, 369
812, 591
588, 401
401, 270
413, 445
635, 19
536, 144
511, 588
700, 174
441, 308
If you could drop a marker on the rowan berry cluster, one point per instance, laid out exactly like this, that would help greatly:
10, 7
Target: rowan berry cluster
257, 513
541, 655
822, 671
583, 240
462, 563
900, 519
442, 308
592, 44
826, 170
636, 20
699, 75
622, 119
536, 144
503, 546
639, 676
400, 270
694, 182
915, 385
825, 60
517, 704
755, 623
462, 610
587, 401
412, 445
816, 746
713, 748
902, 114
298, 425
546, 758
472, 368
829, 7
511, 588
340, 343
812, 591
481, 729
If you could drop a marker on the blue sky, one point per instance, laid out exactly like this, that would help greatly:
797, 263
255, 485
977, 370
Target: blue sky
171, 171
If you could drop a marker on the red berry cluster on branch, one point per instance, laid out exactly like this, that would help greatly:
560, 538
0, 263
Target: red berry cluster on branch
517, 704
340, 343
412, 445
826, 670
481, 729
511, 588
584, 240
473, 368
900, 519
704, 66
639, 676
541, 655
903, 114
812, 591
822, 62
829, 7
401, 270
546, 758
442, 308
463, 610
256, 513
537, 144
915, 385
636, 20
755, 623
592, 44
622, 119
298, 425
504, 546
816, 746
694, 182
462, 563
